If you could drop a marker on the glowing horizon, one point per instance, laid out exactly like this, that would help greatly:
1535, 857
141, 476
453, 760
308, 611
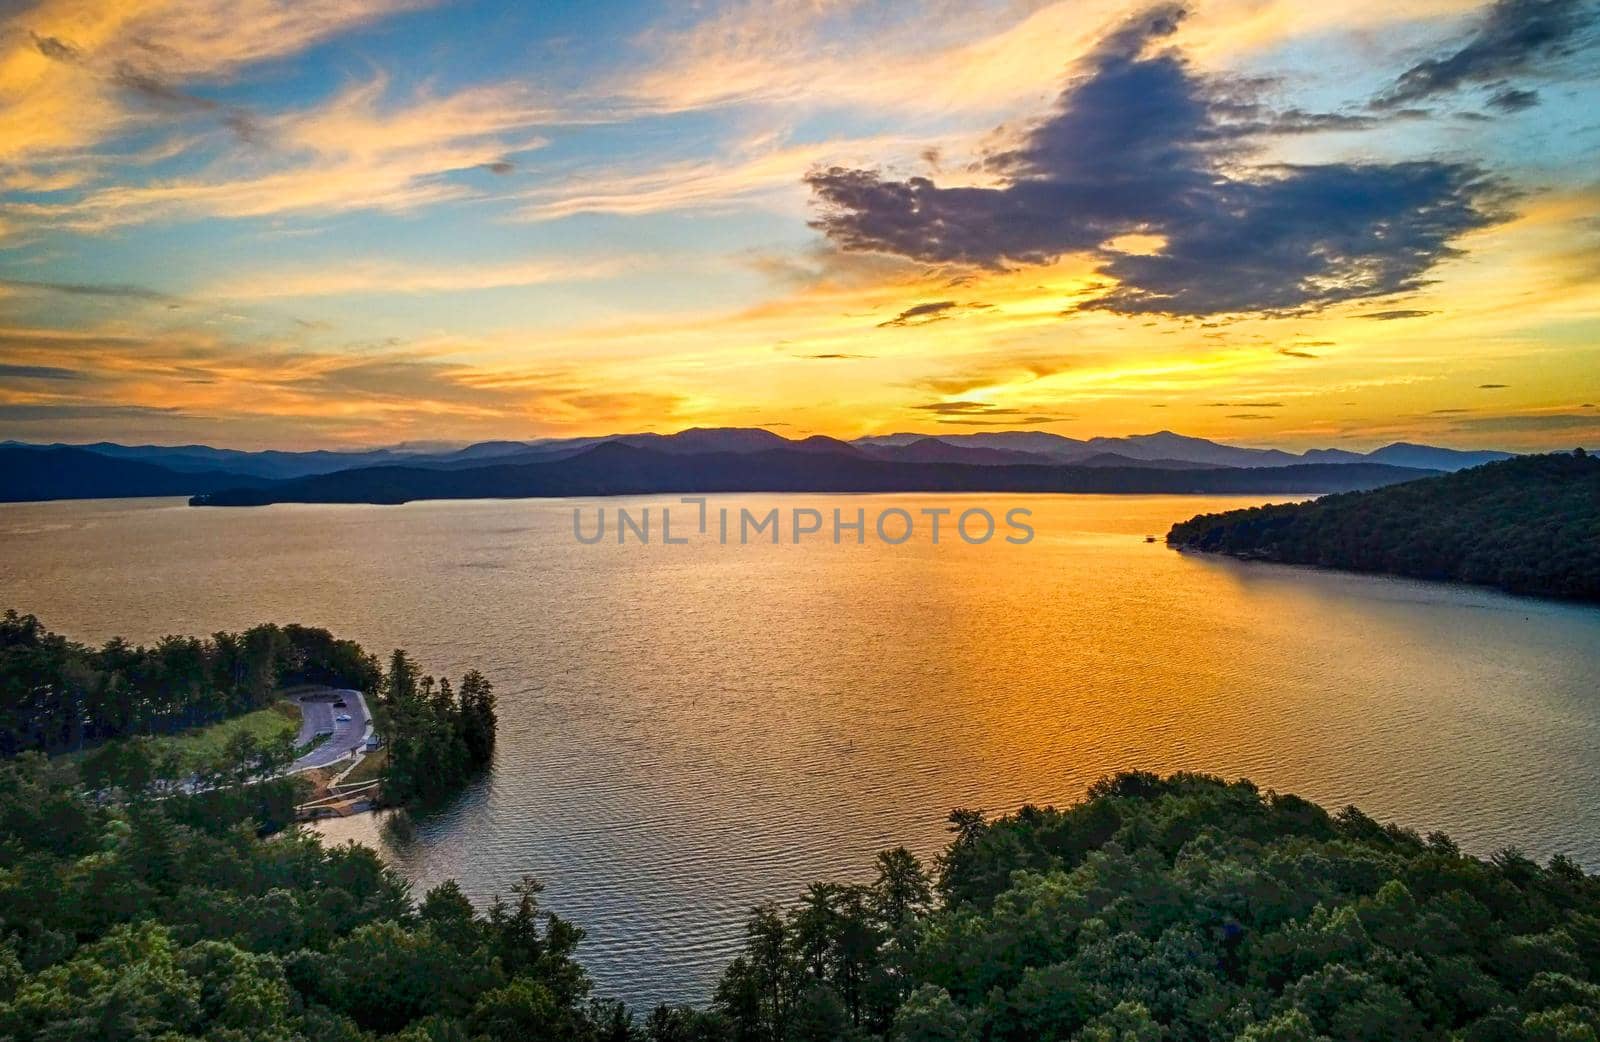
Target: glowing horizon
322, 225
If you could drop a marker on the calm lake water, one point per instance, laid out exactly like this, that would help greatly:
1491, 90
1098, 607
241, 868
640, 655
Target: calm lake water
687, 730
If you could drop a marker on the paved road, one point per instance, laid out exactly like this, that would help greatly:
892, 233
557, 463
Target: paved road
317, 716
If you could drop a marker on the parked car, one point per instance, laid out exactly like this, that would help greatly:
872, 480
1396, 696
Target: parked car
343, 718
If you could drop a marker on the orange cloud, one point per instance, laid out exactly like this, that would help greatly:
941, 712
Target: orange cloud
353, 152
70, 68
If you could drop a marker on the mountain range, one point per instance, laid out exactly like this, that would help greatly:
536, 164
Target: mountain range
706, 459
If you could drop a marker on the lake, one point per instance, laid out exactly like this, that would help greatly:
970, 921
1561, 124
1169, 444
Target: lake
689, 729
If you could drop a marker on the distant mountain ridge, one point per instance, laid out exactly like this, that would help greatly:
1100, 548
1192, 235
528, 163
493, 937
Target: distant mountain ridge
105, 469
618, 468
998, 447
31, 475
1170, 447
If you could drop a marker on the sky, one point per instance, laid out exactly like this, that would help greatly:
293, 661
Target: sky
300, 224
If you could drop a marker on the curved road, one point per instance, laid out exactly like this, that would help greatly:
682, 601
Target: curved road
318, 715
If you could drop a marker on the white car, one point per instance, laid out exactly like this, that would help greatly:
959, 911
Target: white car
343, 718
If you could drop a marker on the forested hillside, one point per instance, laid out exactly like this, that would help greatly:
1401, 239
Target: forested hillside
1181, 909
57, 694
1527, 525
169, 919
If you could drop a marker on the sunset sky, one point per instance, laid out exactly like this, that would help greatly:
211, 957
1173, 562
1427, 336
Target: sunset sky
286, 223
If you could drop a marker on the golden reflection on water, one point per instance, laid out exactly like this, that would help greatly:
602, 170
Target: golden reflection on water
689, 729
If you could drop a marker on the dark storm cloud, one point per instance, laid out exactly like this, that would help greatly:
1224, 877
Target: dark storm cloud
1514, 37
1141, 143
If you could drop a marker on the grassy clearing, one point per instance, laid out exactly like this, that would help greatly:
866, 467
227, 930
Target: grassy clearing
204, 744
369, 769
199, 746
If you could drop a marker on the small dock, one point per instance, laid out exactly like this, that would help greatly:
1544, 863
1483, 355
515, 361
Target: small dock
342, 801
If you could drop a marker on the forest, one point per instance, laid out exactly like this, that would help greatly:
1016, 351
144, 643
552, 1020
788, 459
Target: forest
438, 736
1179, 908
110, 703
1527, 525
58, 695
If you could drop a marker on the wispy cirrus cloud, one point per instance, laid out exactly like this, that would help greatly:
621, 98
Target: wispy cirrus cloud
73, 75
380, 277
179, 381
757, 169
976, 413
930, 60
38, 372
360, 150
847, 54
122, 291
1531, 422
995, 371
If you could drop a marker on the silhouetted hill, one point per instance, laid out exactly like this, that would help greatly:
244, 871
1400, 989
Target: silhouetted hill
1528, 525
270, 463
1406, 454
28, 474
1113, 459
1168, 449
708, 439
1168, 445
618, 469
1055, 447
823, 443
937, 450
